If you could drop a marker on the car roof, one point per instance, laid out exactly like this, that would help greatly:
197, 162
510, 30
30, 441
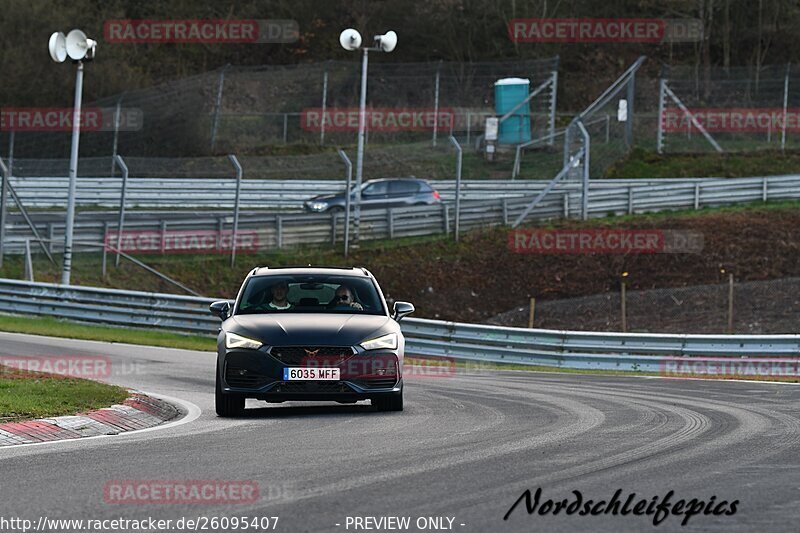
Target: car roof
311, 270
406, 178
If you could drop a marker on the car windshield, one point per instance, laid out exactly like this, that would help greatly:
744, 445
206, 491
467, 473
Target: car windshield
310, 294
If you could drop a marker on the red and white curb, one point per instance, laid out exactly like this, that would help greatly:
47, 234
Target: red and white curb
139, 411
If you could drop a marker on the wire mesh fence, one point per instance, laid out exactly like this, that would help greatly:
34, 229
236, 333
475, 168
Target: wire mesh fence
729, 109
753, 307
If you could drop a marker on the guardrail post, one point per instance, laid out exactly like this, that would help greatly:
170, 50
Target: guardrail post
163, 236
105, 249
236, 201
390, 222
696, 196
220, 229
630, 200
333, 228
505, 211
279, 229
730, 304
122, 198
624, 308
286, 128
764, 189
566, 205
446, 218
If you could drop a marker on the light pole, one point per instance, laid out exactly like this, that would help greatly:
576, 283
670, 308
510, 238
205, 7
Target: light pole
79, 48
350, 40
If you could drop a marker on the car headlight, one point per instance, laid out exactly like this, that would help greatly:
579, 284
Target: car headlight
232, 340
318, 206
387, 342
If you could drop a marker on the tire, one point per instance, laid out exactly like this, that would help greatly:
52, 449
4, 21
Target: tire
336, 210
227, 405
392, 402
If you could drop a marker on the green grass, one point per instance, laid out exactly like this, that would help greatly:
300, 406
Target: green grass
648, 164
74, 330
28, 395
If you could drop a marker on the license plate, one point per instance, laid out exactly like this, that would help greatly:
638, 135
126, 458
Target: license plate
311, 374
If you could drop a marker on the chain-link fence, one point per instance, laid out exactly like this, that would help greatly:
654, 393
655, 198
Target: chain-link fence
728, 109
254, 109
755, 307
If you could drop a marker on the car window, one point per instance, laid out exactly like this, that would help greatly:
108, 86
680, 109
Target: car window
376, 189
403, 188
310, 294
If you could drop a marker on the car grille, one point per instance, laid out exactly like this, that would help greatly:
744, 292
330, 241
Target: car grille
311, 386
244, 378
377, 383
299, 355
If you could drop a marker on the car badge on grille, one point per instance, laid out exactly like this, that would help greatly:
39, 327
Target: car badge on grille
311, 353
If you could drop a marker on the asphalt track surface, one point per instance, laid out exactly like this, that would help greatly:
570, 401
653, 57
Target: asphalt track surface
467, 446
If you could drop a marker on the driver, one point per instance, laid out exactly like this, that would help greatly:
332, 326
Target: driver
343, 300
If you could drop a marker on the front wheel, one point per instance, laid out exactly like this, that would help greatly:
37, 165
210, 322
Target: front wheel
227, 405
390, 402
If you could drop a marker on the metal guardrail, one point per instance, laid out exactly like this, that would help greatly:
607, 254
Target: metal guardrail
47, 192
606, 197
432, 338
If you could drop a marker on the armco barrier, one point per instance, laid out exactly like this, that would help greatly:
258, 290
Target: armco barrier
432, 338
605, 197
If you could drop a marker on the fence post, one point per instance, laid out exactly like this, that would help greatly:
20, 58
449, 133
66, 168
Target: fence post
217, 106
324, 106
5, 175
390, 222
624, 307
730, 304
28, 261
51, 236
116, 136
347, 188
630, 96
785, 104
436, 103
279, 229
285, 128
236, 201
660, 130
553, 96
123, 194
531, 312
458, 183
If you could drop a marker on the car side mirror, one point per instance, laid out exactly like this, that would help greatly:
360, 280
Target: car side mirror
222, 309
402, 309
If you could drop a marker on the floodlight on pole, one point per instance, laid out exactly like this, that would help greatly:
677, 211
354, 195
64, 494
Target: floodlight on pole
350, 40
79, 48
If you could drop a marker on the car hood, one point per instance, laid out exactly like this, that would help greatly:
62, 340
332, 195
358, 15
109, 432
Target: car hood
310, 329
326, 197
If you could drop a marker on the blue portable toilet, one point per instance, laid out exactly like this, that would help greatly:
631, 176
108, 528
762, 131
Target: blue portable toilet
509, 92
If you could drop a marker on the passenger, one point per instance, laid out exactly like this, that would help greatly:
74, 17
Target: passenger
279, 301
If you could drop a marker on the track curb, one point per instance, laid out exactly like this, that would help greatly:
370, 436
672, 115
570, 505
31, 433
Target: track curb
139, 411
